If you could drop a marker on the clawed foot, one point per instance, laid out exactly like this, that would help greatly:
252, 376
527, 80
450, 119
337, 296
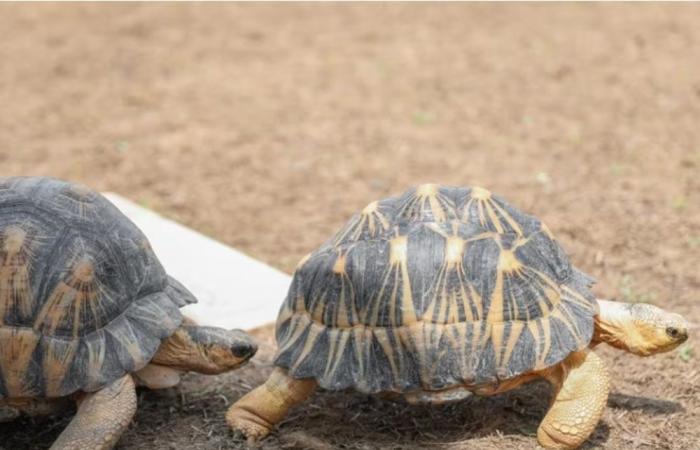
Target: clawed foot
247, 425
256, 413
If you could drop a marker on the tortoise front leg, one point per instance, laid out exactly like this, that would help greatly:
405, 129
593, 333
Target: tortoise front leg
101, 419
257, 412
581, 385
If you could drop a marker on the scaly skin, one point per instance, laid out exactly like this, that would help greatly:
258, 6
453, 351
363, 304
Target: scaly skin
101, 419
581, 384
257, 412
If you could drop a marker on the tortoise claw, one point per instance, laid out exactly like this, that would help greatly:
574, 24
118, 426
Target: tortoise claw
246, 426
239, 436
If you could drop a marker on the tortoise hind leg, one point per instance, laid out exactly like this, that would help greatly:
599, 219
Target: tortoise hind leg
101, 419
581, 386
257, 412
32, 407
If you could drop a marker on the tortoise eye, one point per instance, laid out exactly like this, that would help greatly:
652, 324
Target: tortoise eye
673, 332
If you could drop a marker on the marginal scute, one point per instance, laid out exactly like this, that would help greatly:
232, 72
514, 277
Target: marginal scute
58, 356
455, 288
19, 376
16, 254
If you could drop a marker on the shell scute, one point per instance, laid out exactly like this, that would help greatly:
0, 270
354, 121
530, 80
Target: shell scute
425, 203
84, 290
372, 222
459, 288
83, 299
545, 255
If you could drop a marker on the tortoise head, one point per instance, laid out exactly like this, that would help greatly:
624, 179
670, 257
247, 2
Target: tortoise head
660, 331
208, 350
640, 328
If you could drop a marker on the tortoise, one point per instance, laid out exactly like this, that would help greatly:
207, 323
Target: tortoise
87, 312
443, 292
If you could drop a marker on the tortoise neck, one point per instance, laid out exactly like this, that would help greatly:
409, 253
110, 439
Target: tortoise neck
613, 324
203, 349
180, 351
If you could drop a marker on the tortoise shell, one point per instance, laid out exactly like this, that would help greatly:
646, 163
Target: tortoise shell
83, 298
439, 287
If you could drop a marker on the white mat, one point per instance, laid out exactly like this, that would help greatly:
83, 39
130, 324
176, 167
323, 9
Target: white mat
234, 290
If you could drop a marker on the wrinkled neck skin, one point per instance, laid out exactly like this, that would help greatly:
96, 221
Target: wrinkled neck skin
180, 352
614, 326
206, 350
637, 328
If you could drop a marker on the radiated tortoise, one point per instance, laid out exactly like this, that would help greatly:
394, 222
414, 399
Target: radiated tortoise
87, 312
442, 292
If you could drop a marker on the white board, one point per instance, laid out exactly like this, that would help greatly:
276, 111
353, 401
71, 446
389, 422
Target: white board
234, 290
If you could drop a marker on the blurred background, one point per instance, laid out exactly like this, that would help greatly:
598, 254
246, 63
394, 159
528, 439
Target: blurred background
266, 126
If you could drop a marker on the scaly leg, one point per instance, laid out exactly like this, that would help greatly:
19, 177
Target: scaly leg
257, 412
581, 384
101, 419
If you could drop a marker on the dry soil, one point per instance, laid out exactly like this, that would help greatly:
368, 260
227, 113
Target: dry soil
267, 125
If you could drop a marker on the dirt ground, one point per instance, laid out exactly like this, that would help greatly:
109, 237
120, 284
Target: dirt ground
267, 125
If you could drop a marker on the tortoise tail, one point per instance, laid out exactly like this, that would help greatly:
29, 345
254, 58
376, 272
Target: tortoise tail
178, 293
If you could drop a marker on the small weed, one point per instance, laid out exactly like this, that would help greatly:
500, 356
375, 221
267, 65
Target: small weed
122, 146
617, 169
543, 178
694, 241
576, 135
423, 118
679, 203
686, 353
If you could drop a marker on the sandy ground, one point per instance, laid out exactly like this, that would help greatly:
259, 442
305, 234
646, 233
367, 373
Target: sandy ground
267, 126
